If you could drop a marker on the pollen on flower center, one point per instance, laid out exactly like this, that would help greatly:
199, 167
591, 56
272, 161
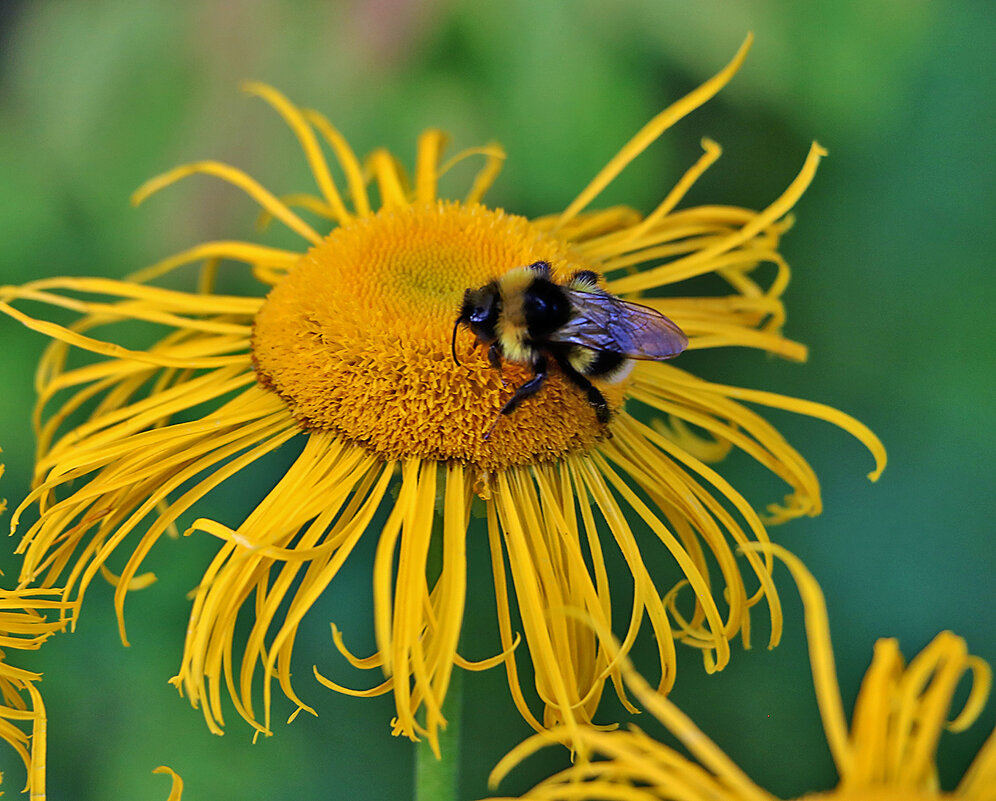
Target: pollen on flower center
356, 339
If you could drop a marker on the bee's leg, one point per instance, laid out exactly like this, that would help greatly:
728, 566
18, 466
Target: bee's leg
595, 397
531, 387
494, 356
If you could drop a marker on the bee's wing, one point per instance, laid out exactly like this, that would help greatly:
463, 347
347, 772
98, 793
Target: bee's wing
601, 321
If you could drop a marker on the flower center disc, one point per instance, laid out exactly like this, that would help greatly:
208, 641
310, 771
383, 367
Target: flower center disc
356, 340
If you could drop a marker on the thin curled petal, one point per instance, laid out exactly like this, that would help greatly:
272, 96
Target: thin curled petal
233, 176
652, 130
309, 144
176, 783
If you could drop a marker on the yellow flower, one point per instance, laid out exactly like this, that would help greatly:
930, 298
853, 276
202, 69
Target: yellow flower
349, 353
889, 754
23, 627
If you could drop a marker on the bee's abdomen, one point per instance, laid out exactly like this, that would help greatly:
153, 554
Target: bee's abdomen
608, 365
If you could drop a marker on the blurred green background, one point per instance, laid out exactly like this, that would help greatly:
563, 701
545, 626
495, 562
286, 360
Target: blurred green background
892, 289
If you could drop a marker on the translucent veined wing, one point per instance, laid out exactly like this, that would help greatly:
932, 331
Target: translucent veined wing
601, 321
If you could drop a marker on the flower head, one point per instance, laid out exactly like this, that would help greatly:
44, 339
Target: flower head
347, 350
888, 755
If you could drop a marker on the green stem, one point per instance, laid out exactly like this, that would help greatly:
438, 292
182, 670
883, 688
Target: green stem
439, 779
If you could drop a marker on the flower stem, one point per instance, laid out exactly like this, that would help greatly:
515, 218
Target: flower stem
439, 779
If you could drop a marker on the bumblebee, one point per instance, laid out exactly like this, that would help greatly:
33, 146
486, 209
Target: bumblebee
525, 317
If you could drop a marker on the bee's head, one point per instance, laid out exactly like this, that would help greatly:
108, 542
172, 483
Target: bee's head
478, 306
479, 312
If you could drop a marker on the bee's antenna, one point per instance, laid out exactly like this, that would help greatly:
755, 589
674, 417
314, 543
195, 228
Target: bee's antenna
456, 325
